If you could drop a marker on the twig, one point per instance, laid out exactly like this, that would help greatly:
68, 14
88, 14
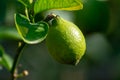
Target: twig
16, 60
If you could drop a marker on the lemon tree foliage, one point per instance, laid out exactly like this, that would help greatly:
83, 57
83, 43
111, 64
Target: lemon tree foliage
31, 33
26, 3
9, 33
5, 60
42, 5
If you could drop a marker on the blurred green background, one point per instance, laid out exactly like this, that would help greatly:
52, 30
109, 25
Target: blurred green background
100, 23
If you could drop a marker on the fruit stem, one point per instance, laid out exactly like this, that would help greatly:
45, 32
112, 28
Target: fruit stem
16, 60
49, 17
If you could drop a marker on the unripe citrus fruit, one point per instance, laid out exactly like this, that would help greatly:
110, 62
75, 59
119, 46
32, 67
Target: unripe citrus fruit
65, 41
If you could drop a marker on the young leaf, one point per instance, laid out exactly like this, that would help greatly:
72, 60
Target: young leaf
31, 33
26, 3
42, 5
5, 59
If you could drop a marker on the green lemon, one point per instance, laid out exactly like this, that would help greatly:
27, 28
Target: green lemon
65, 41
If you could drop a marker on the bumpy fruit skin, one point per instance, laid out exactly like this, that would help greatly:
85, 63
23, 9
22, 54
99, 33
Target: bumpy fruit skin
65, 41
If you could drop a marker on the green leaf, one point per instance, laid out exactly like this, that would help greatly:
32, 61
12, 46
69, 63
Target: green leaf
9, 33
5, 60
42, 5
26, 3
31, 33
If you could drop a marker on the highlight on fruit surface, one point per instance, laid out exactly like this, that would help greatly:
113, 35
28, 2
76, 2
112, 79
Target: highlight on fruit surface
65, 41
